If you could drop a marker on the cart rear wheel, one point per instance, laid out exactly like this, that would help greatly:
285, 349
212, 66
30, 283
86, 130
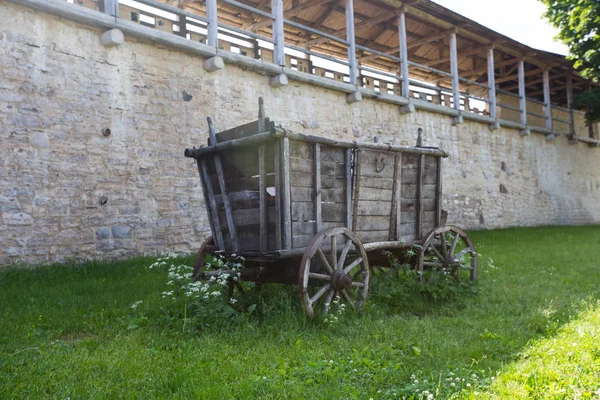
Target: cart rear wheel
200, 257
447, 250
334, 264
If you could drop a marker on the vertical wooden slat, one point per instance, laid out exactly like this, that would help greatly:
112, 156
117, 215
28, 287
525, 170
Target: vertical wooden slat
213, 24
398, 204
491, 83
277, 168
356, 190
522, 94
262, 201
212, 140
351, 40
209, 213
405, 92
286, 195
212, 202
547, 103
419, 219
454, 72
438, 192
395, 194
570, 105
278, 37
348, 161
317, 197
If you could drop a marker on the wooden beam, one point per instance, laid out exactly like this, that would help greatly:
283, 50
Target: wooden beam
278, 35
403, 55
350, 37
482, 70
454, 72
570, 105
461, 54
516, 76
547, 103
491, 83
429, 39
213, 24
289, 13
522, 94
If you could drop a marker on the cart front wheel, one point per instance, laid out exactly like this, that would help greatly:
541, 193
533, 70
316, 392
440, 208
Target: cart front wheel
447, 250
334, 265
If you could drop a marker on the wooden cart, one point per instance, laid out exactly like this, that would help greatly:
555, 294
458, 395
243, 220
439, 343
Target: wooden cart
311, 210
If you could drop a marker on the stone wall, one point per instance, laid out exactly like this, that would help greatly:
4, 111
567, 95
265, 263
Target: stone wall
68, 191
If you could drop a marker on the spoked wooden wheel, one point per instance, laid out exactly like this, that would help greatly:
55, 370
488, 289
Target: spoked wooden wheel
447, 250
200, 257
334, 264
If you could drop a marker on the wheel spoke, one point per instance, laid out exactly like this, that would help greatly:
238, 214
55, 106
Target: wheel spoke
357, 284
437, 252
346, 297
344, 253
325, 261
334, 250
322, 277
432, 264
454, 242
328, 301
445, 249
353, 265
320, 293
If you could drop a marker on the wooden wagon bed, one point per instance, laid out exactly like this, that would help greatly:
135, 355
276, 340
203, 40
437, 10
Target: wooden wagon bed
284, 200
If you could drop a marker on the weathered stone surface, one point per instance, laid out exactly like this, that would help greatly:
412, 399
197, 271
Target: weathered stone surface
55, 165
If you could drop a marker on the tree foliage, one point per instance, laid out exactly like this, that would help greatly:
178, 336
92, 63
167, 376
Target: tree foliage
578, 22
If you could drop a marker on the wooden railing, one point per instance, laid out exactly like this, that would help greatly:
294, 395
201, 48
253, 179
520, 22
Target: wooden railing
485, 100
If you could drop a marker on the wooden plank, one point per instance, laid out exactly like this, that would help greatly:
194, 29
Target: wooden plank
411, 205
395, 198
408, 229
372, 236
306, 165
333, 154
377, 164
277, 169
411, 216
213, 206
334, 212
410, 161
304, 179
221, 177
303, 211
373, 223
245, 130
351, 41
302, 150
409, 191
317, 192
430, 163
371, 208
357, 183
378, 195
308, 227
348, 188
409, 176
262, 203
287, 216
249, 216
438, 194
375, 183
242, 195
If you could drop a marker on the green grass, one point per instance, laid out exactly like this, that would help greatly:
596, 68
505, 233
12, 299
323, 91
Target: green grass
69, 332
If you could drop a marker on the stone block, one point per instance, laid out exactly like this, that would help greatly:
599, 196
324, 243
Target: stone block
354, 97
213, 64
103, 233
121, 232
278, 80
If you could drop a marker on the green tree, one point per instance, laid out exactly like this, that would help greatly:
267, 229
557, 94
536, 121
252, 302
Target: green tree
578, 22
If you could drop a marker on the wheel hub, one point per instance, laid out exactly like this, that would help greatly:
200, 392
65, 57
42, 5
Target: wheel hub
340, 280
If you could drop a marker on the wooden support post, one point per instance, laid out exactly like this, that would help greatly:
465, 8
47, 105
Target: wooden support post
395, 209
286, 193
454, 72
212, 203
348, 165
356, 190
570, 107
351, 41
182, 26
212, 140
547, 103
277, 169
438, 192
523, 98
213, 24
262, 200
405, 92
278, 37
491, 73
419, 219
317, 197
211, 217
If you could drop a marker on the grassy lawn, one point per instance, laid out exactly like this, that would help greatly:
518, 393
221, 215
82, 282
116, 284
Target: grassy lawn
529, 329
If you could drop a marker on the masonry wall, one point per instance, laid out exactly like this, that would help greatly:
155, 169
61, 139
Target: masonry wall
67, 191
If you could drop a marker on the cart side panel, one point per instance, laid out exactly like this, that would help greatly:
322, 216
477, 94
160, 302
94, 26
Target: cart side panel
241, 170
307, 216
418, 213
375, 197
